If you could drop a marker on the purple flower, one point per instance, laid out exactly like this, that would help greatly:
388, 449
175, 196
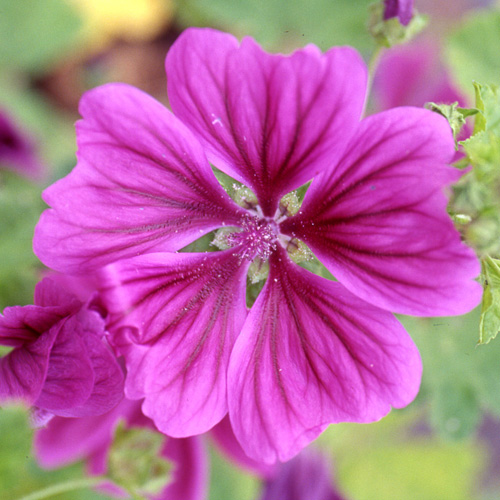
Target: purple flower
411, 75
17, 150
67, 440
306, 477
59, 363
402, 9
311, 351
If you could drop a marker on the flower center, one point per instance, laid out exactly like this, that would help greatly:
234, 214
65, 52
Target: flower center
257, 235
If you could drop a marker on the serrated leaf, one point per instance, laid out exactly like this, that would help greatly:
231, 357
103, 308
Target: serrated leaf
489, 324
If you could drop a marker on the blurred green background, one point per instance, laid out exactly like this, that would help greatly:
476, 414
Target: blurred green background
446, 445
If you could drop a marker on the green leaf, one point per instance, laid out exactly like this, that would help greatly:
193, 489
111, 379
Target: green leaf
135, 462
489, 324
34, 33
472, 51
480, 121
488, 105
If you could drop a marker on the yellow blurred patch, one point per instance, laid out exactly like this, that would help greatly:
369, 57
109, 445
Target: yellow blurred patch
130, 20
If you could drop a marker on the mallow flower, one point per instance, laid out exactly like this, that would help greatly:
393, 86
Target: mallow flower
59, 362
310, 351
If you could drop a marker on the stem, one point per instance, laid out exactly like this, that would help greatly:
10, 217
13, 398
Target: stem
372, 65
74, 484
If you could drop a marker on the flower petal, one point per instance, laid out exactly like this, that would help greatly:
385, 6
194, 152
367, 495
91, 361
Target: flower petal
310, 354
378, 221
182, 314
190, 476
142, 182
20, 324
23, 370
107, 390
70, 377
66, 440
49, 293
270, 121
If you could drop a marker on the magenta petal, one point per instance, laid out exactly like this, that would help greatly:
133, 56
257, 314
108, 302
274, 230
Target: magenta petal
107, 390
67, 440
310, 354
378, 221
270, 121
70, 377
23, 371
142, 183
190, 476
48, 293
182, 314
20, 324
108, 380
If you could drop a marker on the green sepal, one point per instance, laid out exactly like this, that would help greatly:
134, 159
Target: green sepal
454, 114
135, 463
489, 323
480, 121
390, 32
476, 195
487, 103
